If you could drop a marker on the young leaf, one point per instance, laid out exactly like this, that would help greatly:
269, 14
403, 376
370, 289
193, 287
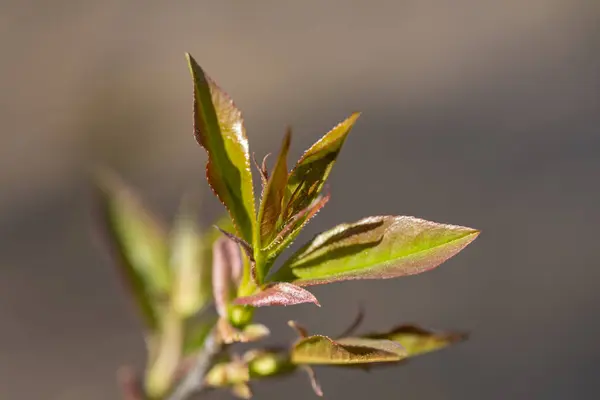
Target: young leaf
375, 248
417, 340
139, 243
226, 273
278, 294
250, 333
310, 173
219, 128
289, 232
349, 351
271, 203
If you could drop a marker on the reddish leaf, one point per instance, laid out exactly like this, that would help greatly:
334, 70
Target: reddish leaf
278, 294
219, 129
262, 169
271, 203
227, 273
289, 232
310, 173
375, 248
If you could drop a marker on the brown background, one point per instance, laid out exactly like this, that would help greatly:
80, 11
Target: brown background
481, 113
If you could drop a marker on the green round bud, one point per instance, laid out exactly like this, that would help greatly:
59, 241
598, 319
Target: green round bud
240, 316
269, 364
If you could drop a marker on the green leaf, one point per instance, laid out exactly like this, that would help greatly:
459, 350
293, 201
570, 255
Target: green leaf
348, 351
139, 244
192, 287
375, 248
310, 173
271, 203
289, 232
219, 128
417, 340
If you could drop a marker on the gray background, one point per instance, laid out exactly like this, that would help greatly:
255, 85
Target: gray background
480, 113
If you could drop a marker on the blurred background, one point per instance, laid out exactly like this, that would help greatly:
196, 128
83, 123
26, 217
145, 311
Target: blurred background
479, 113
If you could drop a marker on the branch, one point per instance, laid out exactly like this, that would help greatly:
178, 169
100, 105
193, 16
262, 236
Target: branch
193, 382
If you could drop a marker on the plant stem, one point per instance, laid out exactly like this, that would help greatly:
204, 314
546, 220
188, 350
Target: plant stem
194, 381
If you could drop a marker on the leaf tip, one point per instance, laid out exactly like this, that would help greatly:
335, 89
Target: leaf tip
354, 116
472, 233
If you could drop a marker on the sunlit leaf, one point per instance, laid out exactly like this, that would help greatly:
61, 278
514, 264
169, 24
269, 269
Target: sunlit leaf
219, 128
348, 351
278, 294
417, 340
271, 203
139, 243
375, 248
289, 232
310, 173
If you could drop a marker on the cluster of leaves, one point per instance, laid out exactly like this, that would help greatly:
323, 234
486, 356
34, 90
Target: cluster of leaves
176, 277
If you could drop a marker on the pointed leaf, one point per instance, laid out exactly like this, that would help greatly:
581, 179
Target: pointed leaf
226, 273
323, 350
289, 232
139, 243
271, 203
219, 128
278, 294
310, 173
417, 340
375, 248
192, 286
248, 252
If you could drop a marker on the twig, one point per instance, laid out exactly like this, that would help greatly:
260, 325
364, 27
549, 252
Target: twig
193, 382
131, 387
